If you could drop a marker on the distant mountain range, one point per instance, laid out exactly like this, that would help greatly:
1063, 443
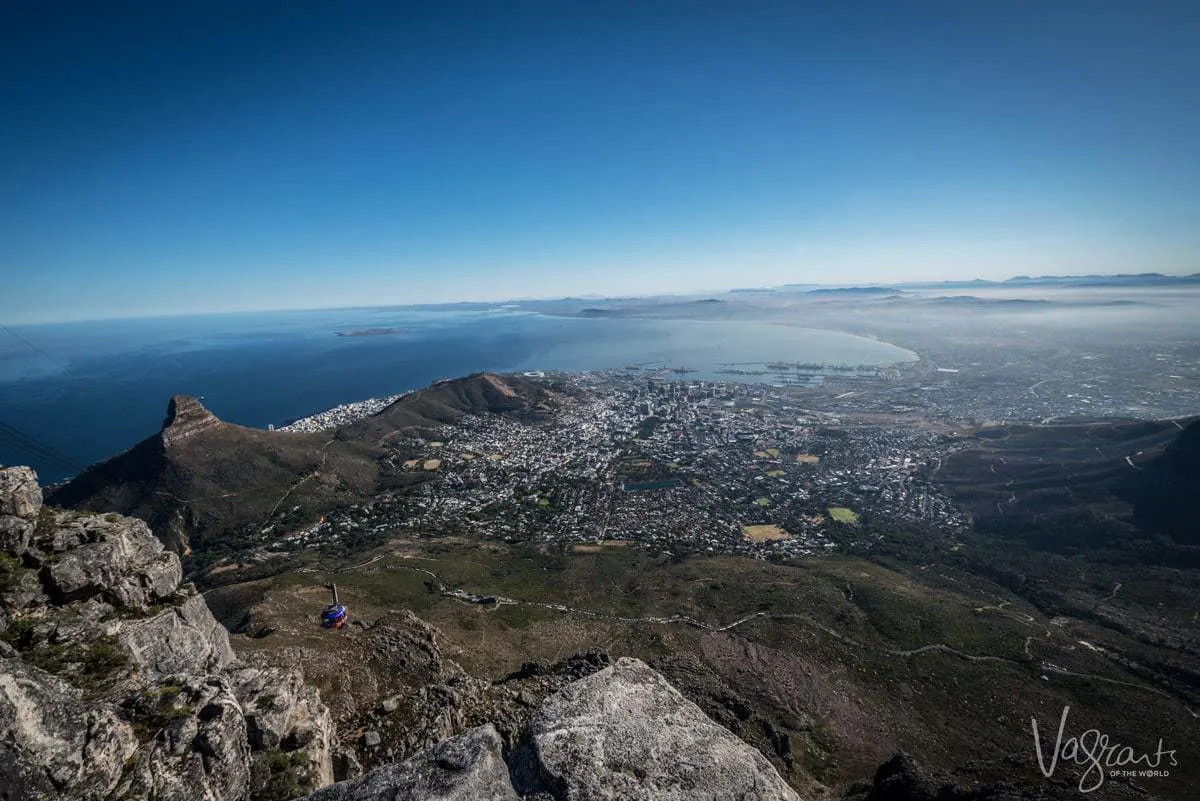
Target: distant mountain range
855, 291
1118, 280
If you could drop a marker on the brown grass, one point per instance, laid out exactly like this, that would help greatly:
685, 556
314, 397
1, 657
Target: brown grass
764, 533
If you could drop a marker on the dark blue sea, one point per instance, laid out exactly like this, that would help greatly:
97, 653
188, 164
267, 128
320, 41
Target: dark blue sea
100, 387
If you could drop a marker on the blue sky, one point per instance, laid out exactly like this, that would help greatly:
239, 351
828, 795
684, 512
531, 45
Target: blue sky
177, 157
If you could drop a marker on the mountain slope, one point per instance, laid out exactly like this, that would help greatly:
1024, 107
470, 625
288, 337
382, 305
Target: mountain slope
445, 402
205, 484
1093, 522
1056, 487
1164, 491
198, 477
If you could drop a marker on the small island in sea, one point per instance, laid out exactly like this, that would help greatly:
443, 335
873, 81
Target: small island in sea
370, 332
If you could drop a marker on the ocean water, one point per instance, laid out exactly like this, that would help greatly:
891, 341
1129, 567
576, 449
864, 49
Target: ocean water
103, 386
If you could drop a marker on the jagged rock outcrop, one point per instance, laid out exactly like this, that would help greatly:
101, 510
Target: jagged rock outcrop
186, 417
115, 557
185, 639
469, 767
620, 733
625, 733
20, 502
117, 682
200, 749
20, 493
284, 713
404, 693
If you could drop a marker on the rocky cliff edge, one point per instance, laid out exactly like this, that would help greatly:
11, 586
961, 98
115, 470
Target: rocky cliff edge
116, 682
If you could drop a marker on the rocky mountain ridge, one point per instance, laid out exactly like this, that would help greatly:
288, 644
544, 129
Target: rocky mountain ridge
186, 417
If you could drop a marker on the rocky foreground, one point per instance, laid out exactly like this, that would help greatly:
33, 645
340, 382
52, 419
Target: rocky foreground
115, 679
621, 733
116, 682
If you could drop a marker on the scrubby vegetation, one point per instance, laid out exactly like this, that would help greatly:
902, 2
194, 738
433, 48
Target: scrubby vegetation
93, 666
157, 708
11, 572
279, 775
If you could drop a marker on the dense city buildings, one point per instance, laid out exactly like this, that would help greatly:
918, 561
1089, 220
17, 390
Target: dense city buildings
682, 466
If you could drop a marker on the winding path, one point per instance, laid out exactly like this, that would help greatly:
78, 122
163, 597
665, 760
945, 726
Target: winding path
496, 601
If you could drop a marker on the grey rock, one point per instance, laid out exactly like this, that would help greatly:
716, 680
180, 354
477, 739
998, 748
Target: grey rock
196, 711
20, 494
120, 558
24, 592
53, 742
16, 535
625, 733
203, 755
389, 705
468, 767
282, 711
185, 639
95, 610
62, 531
371, 739
154, 581
71, 630
409, 646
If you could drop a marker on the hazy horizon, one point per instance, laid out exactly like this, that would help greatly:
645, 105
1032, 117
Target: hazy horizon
952, 285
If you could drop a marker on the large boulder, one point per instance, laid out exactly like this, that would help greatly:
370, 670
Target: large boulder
54, 744
15, 534
112, 555
625, 733
20, 503
19, 588
620, 733
469, 767
184, 639
20, 495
